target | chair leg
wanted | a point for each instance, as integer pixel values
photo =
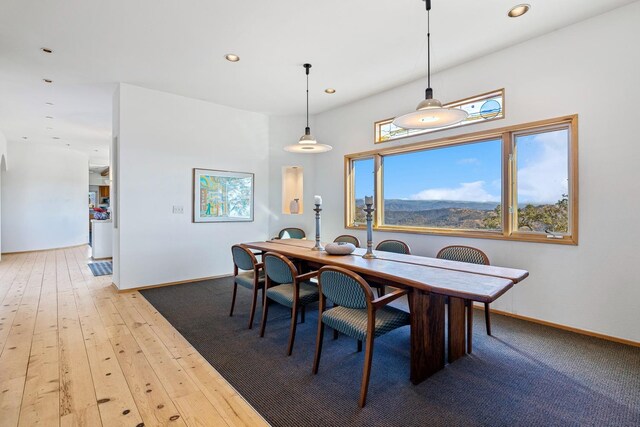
(381, 291)
(292, 333)
(316, 359)
(366, 373)
(359, 346)
(487, 317)
(469, 326)
(253, 307)
(233, 298)
(265, 310)
(302, 313)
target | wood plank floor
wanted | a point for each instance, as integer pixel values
(73, 351)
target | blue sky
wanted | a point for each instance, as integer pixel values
(472, 172)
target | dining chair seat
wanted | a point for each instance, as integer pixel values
(353, 321)
(284, 294)
(246, 279)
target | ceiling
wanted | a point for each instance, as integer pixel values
(358, 47)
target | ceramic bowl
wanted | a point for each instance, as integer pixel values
(339, 248)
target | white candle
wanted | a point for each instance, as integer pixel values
(317, 200)
(368, 200)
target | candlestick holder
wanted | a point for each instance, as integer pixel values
(318, 246)
(369, 210)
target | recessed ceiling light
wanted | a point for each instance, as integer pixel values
(48, 117)
(95, 151)
(232, 57)
(49, 103)
(49, 128)
(24, 137)
(330, 90)
(68, 145)
(46, 50)
(47, 80)
(55, 137)
(518, 10)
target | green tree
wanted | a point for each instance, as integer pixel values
(552, 217)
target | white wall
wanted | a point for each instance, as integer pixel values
(3, 168)
(162, 137)
(44, 198)
(589, 68)
(283, 131)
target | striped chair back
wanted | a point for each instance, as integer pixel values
(395, 246)
(463, 254)
(243, 257)
(278, 268)
(347, 238)
(292, 233)
(344, 287)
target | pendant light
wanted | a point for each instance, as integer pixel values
(429, 113)
(307, 143)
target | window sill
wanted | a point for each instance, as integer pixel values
(473, 234)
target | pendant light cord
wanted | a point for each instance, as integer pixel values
(429, 91)
(307, 130)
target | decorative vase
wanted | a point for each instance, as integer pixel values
(294, 206)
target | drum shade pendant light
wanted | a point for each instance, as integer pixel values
(430, 114)
(307, 143)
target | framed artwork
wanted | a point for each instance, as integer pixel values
(222, 196)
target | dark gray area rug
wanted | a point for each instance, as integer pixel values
(525, 375)
(101, 268)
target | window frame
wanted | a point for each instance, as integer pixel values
(509, 182)
(483, 96)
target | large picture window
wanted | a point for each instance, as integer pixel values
(458, 186)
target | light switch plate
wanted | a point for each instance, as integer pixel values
(178, 209)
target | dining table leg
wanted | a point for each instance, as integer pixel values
(427, 334)
(456, 326)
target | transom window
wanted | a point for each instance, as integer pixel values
(458, 186)
(481, 108)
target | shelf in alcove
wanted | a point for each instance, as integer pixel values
(292, 188)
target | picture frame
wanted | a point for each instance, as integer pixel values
(222, 196)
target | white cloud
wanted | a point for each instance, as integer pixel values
(468, 161)
(542, 177)
(467, 191)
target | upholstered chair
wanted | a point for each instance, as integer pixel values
(286, 287)
(474, 256)
(357, 314)
(395, 246)
(248, 273)
(347, 238)
(291, 233)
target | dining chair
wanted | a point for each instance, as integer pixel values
(251, 277)
(348, 238)
(292, 233)
(286, 287)
(357, 314)
(395, 246)
(473, 256)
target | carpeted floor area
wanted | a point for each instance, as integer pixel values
(525, 375)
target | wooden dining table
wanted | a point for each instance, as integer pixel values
(432, 283)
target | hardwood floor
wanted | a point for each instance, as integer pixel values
(73, 351)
